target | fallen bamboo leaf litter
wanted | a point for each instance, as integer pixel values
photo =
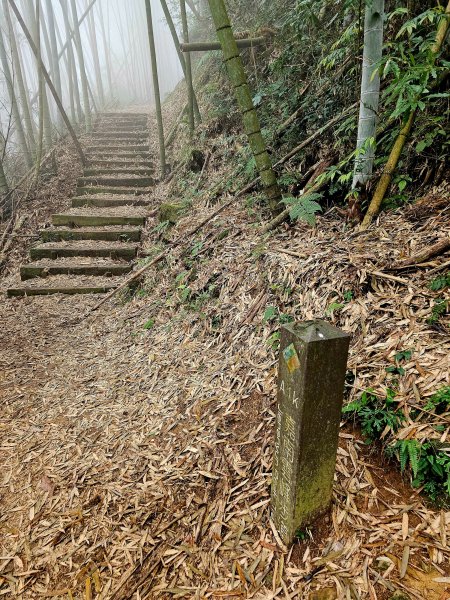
(140, 460)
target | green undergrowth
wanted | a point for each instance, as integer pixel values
(312, 64)
(426, 462)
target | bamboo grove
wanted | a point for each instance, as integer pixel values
(62, 61)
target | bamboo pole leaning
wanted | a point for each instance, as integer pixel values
(151, 40)
(394, 156)
(244, 99)
(49, 82)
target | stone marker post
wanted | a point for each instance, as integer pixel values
(311, 373)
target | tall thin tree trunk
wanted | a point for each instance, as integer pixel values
(82, 68)
(35, 32)
(71, 60)
(370, 92)
(71, 94)
(54, 54)
(23, 94)
(106, 51)
(42, 94)
(236, 73)
(151, 40)
(96, 59)
(190, 88)
(14, 106)
(176, 43)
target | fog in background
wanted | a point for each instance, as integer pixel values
(119, 30)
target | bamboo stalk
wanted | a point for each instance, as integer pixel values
(177, 45)
(96, 59)
(72, 74)
(54, 52)
(207, 46)
(188, 74)
(151, 40)
(392, 162)
(243, 96)
(370, 92)
(24, 98)
(14, 104)
(49, 82)
(81, 64)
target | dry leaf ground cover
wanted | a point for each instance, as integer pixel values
(136, 444)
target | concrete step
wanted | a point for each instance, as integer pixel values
(53, 250)
(120, 135)
(66, 284)
(120, 162)
(123, 191)
(111, 234)
(99, 218)
(110, 148)
(70, 266)
(125, 181)
(118, 170)
(108, 157)
(102, 201)
(123, 115)
(135, 127)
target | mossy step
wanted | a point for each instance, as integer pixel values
(119, 163)
(33, 270)
(118, 170)
(107, 148)
(105, 201)
(93, 220)
(129, 158)
(47, 291)
(132, 126)
(104, 180)
(121, 234)
(92, 190)
(123, 115)
(128, 135)
(126, 251)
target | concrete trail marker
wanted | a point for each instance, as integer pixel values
(312, 366)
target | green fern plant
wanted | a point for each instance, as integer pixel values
(409, 454)
(304, 208)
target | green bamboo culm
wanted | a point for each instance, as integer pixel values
(151, 40)
(236, 73)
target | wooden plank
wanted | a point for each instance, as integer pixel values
(130, 234)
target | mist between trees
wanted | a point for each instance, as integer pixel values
(96, 54)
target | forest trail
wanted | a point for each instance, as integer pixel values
(94, 243)
(136, 444)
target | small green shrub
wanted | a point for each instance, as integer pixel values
(375, 413)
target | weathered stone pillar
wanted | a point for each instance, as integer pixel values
(312, 366)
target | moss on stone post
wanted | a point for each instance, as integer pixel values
(312, 366)
(236, 73)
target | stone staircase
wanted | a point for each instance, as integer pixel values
(93, 245)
